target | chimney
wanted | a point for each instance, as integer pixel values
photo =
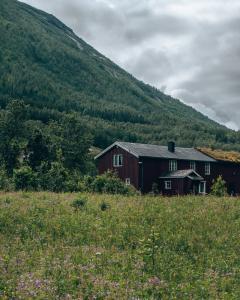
(171, 147)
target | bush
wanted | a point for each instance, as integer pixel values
(55, 179)
(24, 179)
(79, 203)
(219, 188)
(85, 185)
(110, 183)
(72, 182)
(6, 183)
(104, 206)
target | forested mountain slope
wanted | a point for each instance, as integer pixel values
(45, 64)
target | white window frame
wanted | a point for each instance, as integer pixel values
(173, 165)
(193, 165)
(128, 181)
(207, 169)
(117, 160)
(204, 188)
(168, 184)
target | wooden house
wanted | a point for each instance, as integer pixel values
(174, 170)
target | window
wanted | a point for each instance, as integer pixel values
(193, 165)
(202, 187)
(207, 169)
(168, 185)
(172, 165)
(127, 181)
(118, 160)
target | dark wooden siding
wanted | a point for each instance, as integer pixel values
(149, 170)
(177, 187)
(231, 174)
(130, 168)
(229, 171)
(153, 168)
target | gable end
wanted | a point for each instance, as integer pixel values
(116, 144)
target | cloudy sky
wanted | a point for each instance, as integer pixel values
(188, 49)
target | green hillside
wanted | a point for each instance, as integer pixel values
(44, 63)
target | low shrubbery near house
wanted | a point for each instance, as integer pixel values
(56, 178)
(219, 188)
(109, 183)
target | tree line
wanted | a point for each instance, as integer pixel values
(39, 155)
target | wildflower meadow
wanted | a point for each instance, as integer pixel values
(86, 246)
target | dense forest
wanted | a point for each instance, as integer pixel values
(70, 97)
(35, 155)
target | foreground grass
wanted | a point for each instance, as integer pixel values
(139, 248)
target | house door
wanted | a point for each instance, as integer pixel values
(202, 187)
(195, 188)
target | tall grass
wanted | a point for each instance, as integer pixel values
(138, 248)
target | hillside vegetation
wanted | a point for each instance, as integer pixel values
(54, 71)
(114, 247)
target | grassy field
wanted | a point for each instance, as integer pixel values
(139, 248)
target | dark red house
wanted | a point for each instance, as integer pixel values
(175, 170)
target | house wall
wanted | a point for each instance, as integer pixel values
(229, 171)
(231, 174)
(153, 168)
(145, 171)
(130, 168)
(177, 187)
(200, 169)
(150, 170)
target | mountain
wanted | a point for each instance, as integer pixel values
(55, 72)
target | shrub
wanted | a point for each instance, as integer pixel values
(56, 178)
(219, 187)
(72, 182)
(110, 183)
(86, 184)
(24, 179)
(104, 206)
(6, 183)
(71, 185)
(79, 203)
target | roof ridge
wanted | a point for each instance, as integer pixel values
(159, 151)
(157, 145)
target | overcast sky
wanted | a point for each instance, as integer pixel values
(189, 49)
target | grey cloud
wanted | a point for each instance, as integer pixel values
(217, 83)
(152, 64)
(153, 24)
